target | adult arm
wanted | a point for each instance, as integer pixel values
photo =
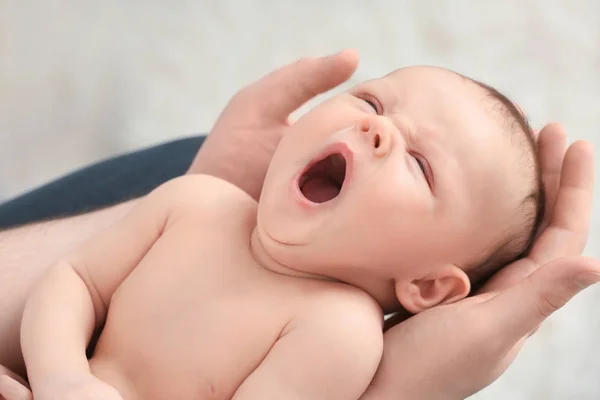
(39, 244)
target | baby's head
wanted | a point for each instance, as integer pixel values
(414, 187)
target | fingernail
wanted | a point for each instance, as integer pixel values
(588, 278)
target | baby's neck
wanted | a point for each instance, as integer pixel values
(381, 290)
(264, 260)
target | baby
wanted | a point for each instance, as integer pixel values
(376, 200)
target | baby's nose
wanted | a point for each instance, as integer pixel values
(378, 134)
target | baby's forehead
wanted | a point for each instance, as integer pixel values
(447, 88)
(430, 78)
(423, 71)
(433, 95)
(440, 88)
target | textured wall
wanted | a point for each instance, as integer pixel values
(81, 80)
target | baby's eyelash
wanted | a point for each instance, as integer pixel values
(372, 105)
(425, 168)
(421, 165)
(371, 101)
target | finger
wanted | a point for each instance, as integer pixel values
(13, 390)
(566, 234)
(509, 276)
(552, 146)
(550, 243)
(576, 186)
(286, 89)
(519, 310)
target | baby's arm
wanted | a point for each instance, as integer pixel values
(331, 352)
(73, 297)
(13, 389)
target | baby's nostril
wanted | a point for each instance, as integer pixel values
(376, 140)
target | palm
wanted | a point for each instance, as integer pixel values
(458, 335)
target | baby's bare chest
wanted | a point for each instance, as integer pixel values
(196, 313)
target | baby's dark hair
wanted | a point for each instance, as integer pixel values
(518, 242)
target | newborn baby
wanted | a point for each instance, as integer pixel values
(376, 200)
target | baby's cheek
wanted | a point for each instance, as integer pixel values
(405, 200)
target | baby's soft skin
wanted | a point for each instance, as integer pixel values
(238, 150)
(162, 281)
(163, 278)
(369, 203)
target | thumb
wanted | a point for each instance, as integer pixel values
(521, 308)
(286, 89)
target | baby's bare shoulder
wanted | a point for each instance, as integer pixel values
(345, 325)
(200, 188)
(341, 298)
(197, 194)
(344, 308)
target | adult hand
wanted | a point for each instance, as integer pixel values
(454, 351)
(243, 140)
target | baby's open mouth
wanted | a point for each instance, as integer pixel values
(323, 180)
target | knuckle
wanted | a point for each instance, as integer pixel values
(549, 300)
(548, 303)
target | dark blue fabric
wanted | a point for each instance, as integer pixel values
(102, 184)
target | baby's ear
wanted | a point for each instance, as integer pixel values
(447, 285)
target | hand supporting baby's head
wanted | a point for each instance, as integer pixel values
(394, 186)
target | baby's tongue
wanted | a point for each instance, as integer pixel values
(319, 190)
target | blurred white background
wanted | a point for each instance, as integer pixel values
(81, 80)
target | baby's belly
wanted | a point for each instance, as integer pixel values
(189, 344)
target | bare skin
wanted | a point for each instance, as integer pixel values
(428, 166)
(159, 281)
(26, 253)
(248, 131)
(387, 375)
(181, 257)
